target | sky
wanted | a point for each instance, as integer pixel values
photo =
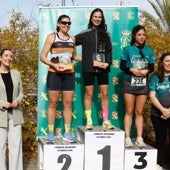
(30, 8)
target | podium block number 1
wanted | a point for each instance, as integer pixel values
(105, 152)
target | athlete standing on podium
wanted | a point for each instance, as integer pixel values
(61, 77)
(96, 59)
(137, 61)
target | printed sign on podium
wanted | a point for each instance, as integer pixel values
(136, 158)
(104, 150)
(61, 155)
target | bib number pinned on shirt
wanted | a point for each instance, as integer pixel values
(138, 81)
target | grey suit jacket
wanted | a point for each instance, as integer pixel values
(17, 94)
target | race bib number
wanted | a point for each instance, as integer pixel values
(138, 81)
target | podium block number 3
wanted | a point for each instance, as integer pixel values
(105, 152)
(141, 160)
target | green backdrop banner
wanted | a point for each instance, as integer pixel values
(120, 21)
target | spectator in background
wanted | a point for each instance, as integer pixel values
(137, 61)
(61, 77)
(96, 59)
(11, 117)
(160, 110)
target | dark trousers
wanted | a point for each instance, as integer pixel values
(160, 127)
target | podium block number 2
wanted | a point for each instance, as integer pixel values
(105, 152)
(67, 159)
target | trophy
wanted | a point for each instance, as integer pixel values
(65, 62)
(98, 59)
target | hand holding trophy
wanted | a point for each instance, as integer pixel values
(65, 63)
(98, 59)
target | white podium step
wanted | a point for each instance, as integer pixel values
(104, 150)
(137, 158)
(61, 155)
(95, 149)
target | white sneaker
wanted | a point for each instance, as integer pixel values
(140, 143)
(158, 167)
(89, 125)
(107, 125)
(128, 142)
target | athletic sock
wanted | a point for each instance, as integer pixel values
(88, 115)
(105, 113)
(67, 128)
(51, 127)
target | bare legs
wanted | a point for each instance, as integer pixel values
(131, 102)
(104, 104)
(53, 102)
(89, 96)
(67, 104)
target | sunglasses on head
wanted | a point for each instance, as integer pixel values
(65, 23)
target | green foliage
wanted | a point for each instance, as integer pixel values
(23, 40)
(162, 10)
(158, 33)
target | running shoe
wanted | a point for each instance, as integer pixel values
(107, 125)
(128, 142)
(50, 138)
(69, 137)
(89, 125)
(140, 143)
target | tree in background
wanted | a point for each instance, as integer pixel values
(158, 32)
(162, 11)
(23, 40)
(158, 25)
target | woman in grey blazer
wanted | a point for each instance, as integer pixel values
(11, 117)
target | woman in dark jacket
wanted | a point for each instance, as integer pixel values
(96, 59)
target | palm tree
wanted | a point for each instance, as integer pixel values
(162, 10)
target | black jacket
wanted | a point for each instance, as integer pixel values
(89, 42)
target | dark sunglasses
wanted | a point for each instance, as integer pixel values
(65, 23)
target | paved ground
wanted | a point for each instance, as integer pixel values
(31, 165)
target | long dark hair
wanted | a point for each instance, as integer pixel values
(60, 19)
(160, 71)
(101, 29)
(135, 31)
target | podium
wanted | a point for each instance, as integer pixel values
(61, 155)
(144, 158)
(104, 150)
(95, 149)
